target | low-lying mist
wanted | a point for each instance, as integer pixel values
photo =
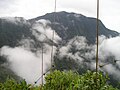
(109, 53)
(26, 63)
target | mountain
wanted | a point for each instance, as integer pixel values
(68, 25)
(12, 30)
(74, 44)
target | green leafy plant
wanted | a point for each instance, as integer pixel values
(11, 84)
(63, 80)
(69, 80)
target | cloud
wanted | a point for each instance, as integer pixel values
(45, 31)
(78, 49)
(25, 8)
(113, 71)
(111, 47)
(109, 52)
(7, 7)
(80, 6)
(16, 20)
(26, 59)
(109, 9)
(29, 8)
(25, 63)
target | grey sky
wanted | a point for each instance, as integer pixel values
(109, 9)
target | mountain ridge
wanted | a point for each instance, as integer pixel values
(82, 25)
(75, 34)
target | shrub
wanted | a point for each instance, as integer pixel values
(63, 80)
(59, 80)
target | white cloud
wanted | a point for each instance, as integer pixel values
(112, 71)
(107, 47)
(46, 31)
(109, 9)
(82, 50)
(109, 13)
(16, 20)
(25, 62)
(26, 8)
(111, 47)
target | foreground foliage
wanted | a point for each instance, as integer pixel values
(73, 81)
(11, 84)
(67, 80)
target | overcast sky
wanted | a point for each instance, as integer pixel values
(109, 9)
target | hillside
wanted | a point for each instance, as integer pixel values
(21, 42)
(68, 25)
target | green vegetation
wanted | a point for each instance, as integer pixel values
(5, 72)
(63, 80)
(11, 84)
(73, 81)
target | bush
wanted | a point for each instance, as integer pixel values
(69, 80)
(63, 80)
(11, 84)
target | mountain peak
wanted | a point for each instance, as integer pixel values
(69, 25)
(57, 15)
